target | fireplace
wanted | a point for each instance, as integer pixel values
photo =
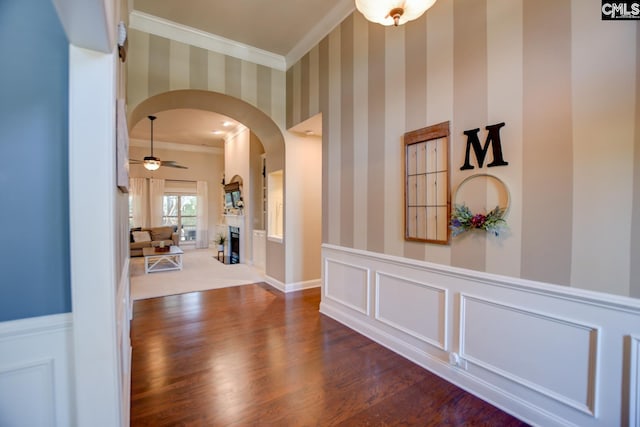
(234, 244)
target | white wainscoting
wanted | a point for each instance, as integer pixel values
(550, 355)
(36, 372)
(556, 357)
(356, 295)
(634, 381)
(415, 308)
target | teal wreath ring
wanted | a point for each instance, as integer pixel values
(462, 219)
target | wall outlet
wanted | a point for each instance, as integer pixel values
(456, 360)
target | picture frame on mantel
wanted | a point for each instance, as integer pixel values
(122, 147)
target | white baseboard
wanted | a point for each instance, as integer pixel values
(549, 355)
(292, 287)
(275, 283)
(298, 286)
(36, 371)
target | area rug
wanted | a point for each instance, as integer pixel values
(200, 271)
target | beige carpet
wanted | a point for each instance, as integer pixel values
(200, 271)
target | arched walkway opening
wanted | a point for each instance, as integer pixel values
(260, 125)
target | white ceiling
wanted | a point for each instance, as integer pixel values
(286, 28)
(185, 126)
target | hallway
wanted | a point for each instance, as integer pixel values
(251, 355)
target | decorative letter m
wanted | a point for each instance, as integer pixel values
(493, 139)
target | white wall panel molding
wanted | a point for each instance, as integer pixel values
(35, 326)
(548, 354)
(609, 301)
(173, 31)
(357, 294)
(27, 394)
(634, 383)
(423, 312)
(36, 371)
(551, 355)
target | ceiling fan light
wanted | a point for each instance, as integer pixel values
(151, 163)
(393, 12)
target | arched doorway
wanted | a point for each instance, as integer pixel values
(261, 125)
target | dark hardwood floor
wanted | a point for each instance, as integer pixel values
(250, 355)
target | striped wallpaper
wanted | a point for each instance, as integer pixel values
(157, 65)
(565, 83)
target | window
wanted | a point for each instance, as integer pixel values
(180, 210)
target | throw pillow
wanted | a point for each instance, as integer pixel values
(161, 233)
(131, 233)
(141, 236)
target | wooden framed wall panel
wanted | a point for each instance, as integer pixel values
(427, 184)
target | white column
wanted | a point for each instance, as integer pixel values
(92, 211)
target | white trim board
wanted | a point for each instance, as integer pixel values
(292, 287)
(35, 326)
(172, 30)
(631, 305)
(93, 267)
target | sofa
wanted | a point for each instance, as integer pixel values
(149, 237)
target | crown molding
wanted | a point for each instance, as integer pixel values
(171, 30)
(319, 31)
(175, 146)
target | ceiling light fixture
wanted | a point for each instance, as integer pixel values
(226, 123)
(150, 162)
(393, 12)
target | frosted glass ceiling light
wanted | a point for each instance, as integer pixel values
(151, 163)
(393, 12)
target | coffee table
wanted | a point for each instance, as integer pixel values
(162, 261)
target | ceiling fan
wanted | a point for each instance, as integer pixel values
(151, 162)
